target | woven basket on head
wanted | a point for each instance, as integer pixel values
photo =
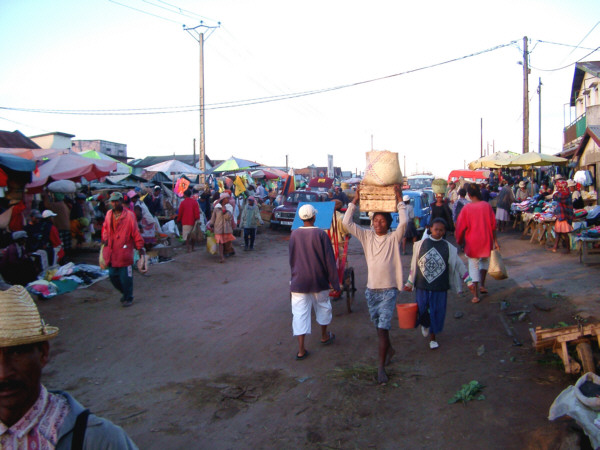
(20, 321)
(382, 169)
(378, 199)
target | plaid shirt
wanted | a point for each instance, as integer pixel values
(564, 206)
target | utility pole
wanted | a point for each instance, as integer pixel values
(481, 134)
(286, 163)
(199, 37)
(525, 96)
(539, 91)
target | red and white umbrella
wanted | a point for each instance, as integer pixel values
(70, 167)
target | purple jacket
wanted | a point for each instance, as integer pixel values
(312, 261)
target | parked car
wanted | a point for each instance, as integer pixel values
(420, 200)
(284, 214)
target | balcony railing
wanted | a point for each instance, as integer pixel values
(575, 130)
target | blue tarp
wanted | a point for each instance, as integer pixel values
(16, 163)
(324, 215)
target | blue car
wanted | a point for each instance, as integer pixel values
(420, 202)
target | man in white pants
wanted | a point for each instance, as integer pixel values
(312, 263)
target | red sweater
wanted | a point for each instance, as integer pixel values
(189, 211)
(122, 236)
(475, 229)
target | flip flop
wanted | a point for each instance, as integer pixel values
(330, 340)
(300, 358)
(475, 300)
(483, 290)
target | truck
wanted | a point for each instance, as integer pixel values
(420, 181)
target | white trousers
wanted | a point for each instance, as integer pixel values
(301, 304)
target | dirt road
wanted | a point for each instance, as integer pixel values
(205, 358)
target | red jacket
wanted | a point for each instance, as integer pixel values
(122, 237)
(189, 212)
(475, 229)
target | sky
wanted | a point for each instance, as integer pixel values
(376, 69)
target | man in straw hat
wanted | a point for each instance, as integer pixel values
(313, 272)
(30, 415)
(120, 235)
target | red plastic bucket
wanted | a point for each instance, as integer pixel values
(407, 315)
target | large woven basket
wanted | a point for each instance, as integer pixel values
(377, 199)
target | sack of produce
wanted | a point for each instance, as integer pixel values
(439, 186)
(497, 269)
(382, 169)
(62, 186)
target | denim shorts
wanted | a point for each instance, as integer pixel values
(381, 303)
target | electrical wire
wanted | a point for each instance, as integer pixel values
(584, 38)
(187, 11)
(248, 102)
(568, 65)
(564, 45)
(146, 12)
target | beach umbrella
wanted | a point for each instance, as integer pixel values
(122, 168)
(264, 173)
(173, 166)
(534, 159)
(492, 161)
(234, 164)
(70, 167)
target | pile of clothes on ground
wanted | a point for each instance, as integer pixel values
(60, 279)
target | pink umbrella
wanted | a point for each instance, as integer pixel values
(70, 167)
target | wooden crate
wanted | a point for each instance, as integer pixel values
(378, 199)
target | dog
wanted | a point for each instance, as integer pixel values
(348, 287)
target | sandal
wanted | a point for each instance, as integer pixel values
(483, 290)
(330, 339)
(300, 358)
(475, 300)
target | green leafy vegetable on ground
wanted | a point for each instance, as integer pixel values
(468, 392)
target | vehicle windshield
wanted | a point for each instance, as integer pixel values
(297, 197)
(420, 183)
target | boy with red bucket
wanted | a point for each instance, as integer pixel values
(435, 267)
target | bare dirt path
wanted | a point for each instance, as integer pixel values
(205, 358)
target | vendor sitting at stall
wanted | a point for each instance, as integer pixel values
(522, 193)
(545, 190)
(575, 195)
(16, 265)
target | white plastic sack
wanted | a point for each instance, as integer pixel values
(170, 228)
(62, 186)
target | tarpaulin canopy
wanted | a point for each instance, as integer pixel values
(472, 174)
(531, 159)
(70, 167)
(233, 164)
(173, 166)
(121, 167)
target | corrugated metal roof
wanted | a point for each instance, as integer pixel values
(581, 68)
(16, 139)
(151, 160)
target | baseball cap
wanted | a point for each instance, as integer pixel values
(307, 212)
(47, 213)
(115, 196)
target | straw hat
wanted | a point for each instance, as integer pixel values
(522, 184)
(20, 321)
(571, 183)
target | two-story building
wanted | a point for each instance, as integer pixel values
(112, 149)
(582, 136)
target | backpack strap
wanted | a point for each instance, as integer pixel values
(79, 430)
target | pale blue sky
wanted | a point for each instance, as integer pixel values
(96, 54)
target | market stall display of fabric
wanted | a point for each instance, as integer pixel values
(67, 278)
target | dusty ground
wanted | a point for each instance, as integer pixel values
(205, 358)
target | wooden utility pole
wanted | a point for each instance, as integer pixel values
(199, 37)
(525, 96)
(539, 91)
(481, 134)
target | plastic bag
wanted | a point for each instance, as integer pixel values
(101, 258)
(211, 244)
(497, 268)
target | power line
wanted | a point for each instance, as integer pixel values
(564, 45)
(247, 102)
(187, 11)
(145, 12)
(568, 65)
(584, 38)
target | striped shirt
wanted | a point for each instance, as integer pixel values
(38, 428)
